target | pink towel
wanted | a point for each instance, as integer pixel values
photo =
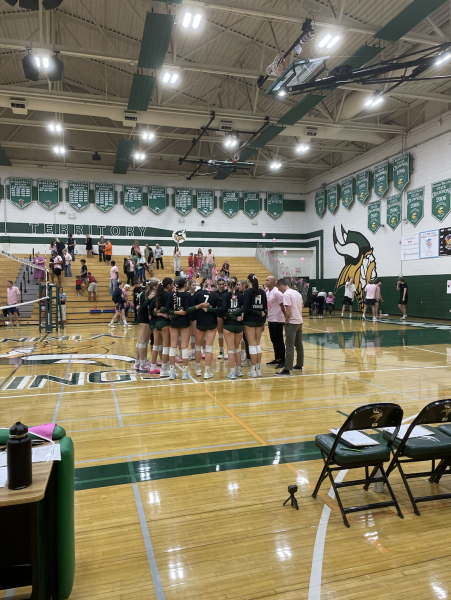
(45, 430)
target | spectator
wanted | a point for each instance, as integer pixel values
(108, 252)
(348, 297)
(159, 256)
(226, 268)
(125, 289)
(141, 268)
(59, 246)
(150, 259)
(53, 248)
(114, 276)
(200, 258)
(214, 273)
(88, 245)
(190, 273)
(119, 301)
(39, 261)
(314, 304)
(129, 269)
(196, 265)
(51, 271)
(222, 274)
(321, 301)
(63, 298)
(84, 273)
(135, 248)
(292, 302)
(67, 260)
(401, 285)
(330, 302)
(13, 297)
(378, 296)
(101, 245)
(57, 267)
(92, 287)
(71, 243)
(136, 291)
(276, 321)
(78, 284)
(191, 260)
(177, 255)
(209, 262)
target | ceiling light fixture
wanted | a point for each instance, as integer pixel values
(276, 165)
(147, 135)
(55, 127)
(231, 140)
(443, 58)
(333, 41)
(302, 148)
(196, 21)
(59, 150)
(140, 156)
(190, 21)
(325, 40)
(328, 41)
(170, 77)
(376, 99)
(282, 93)
(187, 20)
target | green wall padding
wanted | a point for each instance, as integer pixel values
(407, 19)
(65, 521)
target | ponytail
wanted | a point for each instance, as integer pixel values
(158, 295)
(232, 286)
(254, 282)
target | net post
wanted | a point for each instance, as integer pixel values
(40, 306)
(48, 312)
(58, 315)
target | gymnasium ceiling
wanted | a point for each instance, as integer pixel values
(218, 65)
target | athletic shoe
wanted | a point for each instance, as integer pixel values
(127, 325)
(296, 368)
(283, 373)
(273, 362)
(281, 365)
(363, 318)
(172, 375)
(164, 374)
(198, 372)
(259, 373)
(208, 375)
(226, 355)
(350, 316)
(203, 355)
(231, 376)
(374, 318)
(252, 374)
(403, 317)
(341, 315)
(178, 360)
(136, 366)
(185, 375)
(238, 372)
(154, 371)
(192, 356)
(159, 363)
(112, 325)
(245, 362)
(148, 364)
(221, 356)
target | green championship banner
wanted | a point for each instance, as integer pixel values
(401, 171)
(104, 196)
(133, 198)
(157, 199)
(79, 195)
(274, 205)
(20, 191)
(362, 184)
(205, 202)
(320, 202)
(381, 179)
(48, 193)
(230, 202)
(332, 198)
(347, 192)
(394, 211)
(441, 199)
(183, 200)
(251, 203)
(415, 205)
(374, 216)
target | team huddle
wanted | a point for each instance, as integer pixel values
(175, 314)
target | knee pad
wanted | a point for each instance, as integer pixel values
(172, 352)
(237, 351)
(158, 348)
(185, 353)
(166, 350)
(252, 349)
(259, 349)
(193, 339)
(220, 336)
(209, 349)
(198, 348)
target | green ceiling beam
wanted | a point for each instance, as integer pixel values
(155, 41)
(4, 160)
(123, 155)
(301, 109)
(141, 92)
(407, 19)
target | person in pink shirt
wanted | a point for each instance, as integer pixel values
(114, 276)
(39, 261)
(370, 300)
(13, 297)
(330, 302)
(292, 301)
(276, 321)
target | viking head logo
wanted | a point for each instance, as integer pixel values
(400, 181)
(376, 416)
(440, 210)
(179, 236)
(359, 261)
(447, 410)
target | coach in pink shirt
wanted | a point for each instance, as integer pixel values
(276, 321)
(292, 301)
(13, 297)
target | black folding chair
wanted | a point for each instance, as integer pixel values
(335, 452)
(437, 446)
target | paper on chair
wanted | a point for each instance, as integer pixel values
(356, 438)
(40, 454)
(3, 472)
(418, 431)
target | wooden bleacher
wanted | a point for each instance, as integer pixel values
(9, 270)
(77, 309)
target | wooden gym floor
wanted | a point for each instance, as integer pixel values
(180, 485)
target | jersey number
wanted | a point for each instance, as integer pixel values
(258, 299)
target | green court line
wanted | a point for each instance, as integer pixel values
(385, 338)
(193, 464)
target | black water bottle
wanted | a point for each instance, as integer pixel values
(18, 450)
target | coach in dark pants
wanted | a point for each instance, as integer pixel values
(276, 321)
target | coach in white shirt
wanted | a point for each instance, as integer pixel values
(276, 321)
(292, 301)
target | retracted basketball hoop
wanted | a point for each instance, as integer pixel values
(277, 67)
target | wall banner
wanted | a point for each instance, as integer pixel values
(274, 205)
(251, 203)
(320, 202)
(156, 199)
(415, 205)
(394, 211)
(332, 198)
(133, 198)
(48, 193)
(441, 199)
(183, 200)
(401, 171)
(79, 195)
(374, 216)
(381, 179)
(205, 202)
(20, 191)
(347, 192)
(104, 196)
(362, 184)
(230, 202)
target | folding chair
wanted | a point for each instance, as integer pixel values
(437, 446)
(335, 452)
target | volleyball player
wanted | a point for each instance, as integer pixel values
(180, 326)
(245, 356)
(206, 323)
(192, 290)
(222, 289)
(255, 308)
(232, 304)
(144, 332)
(160, 305)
